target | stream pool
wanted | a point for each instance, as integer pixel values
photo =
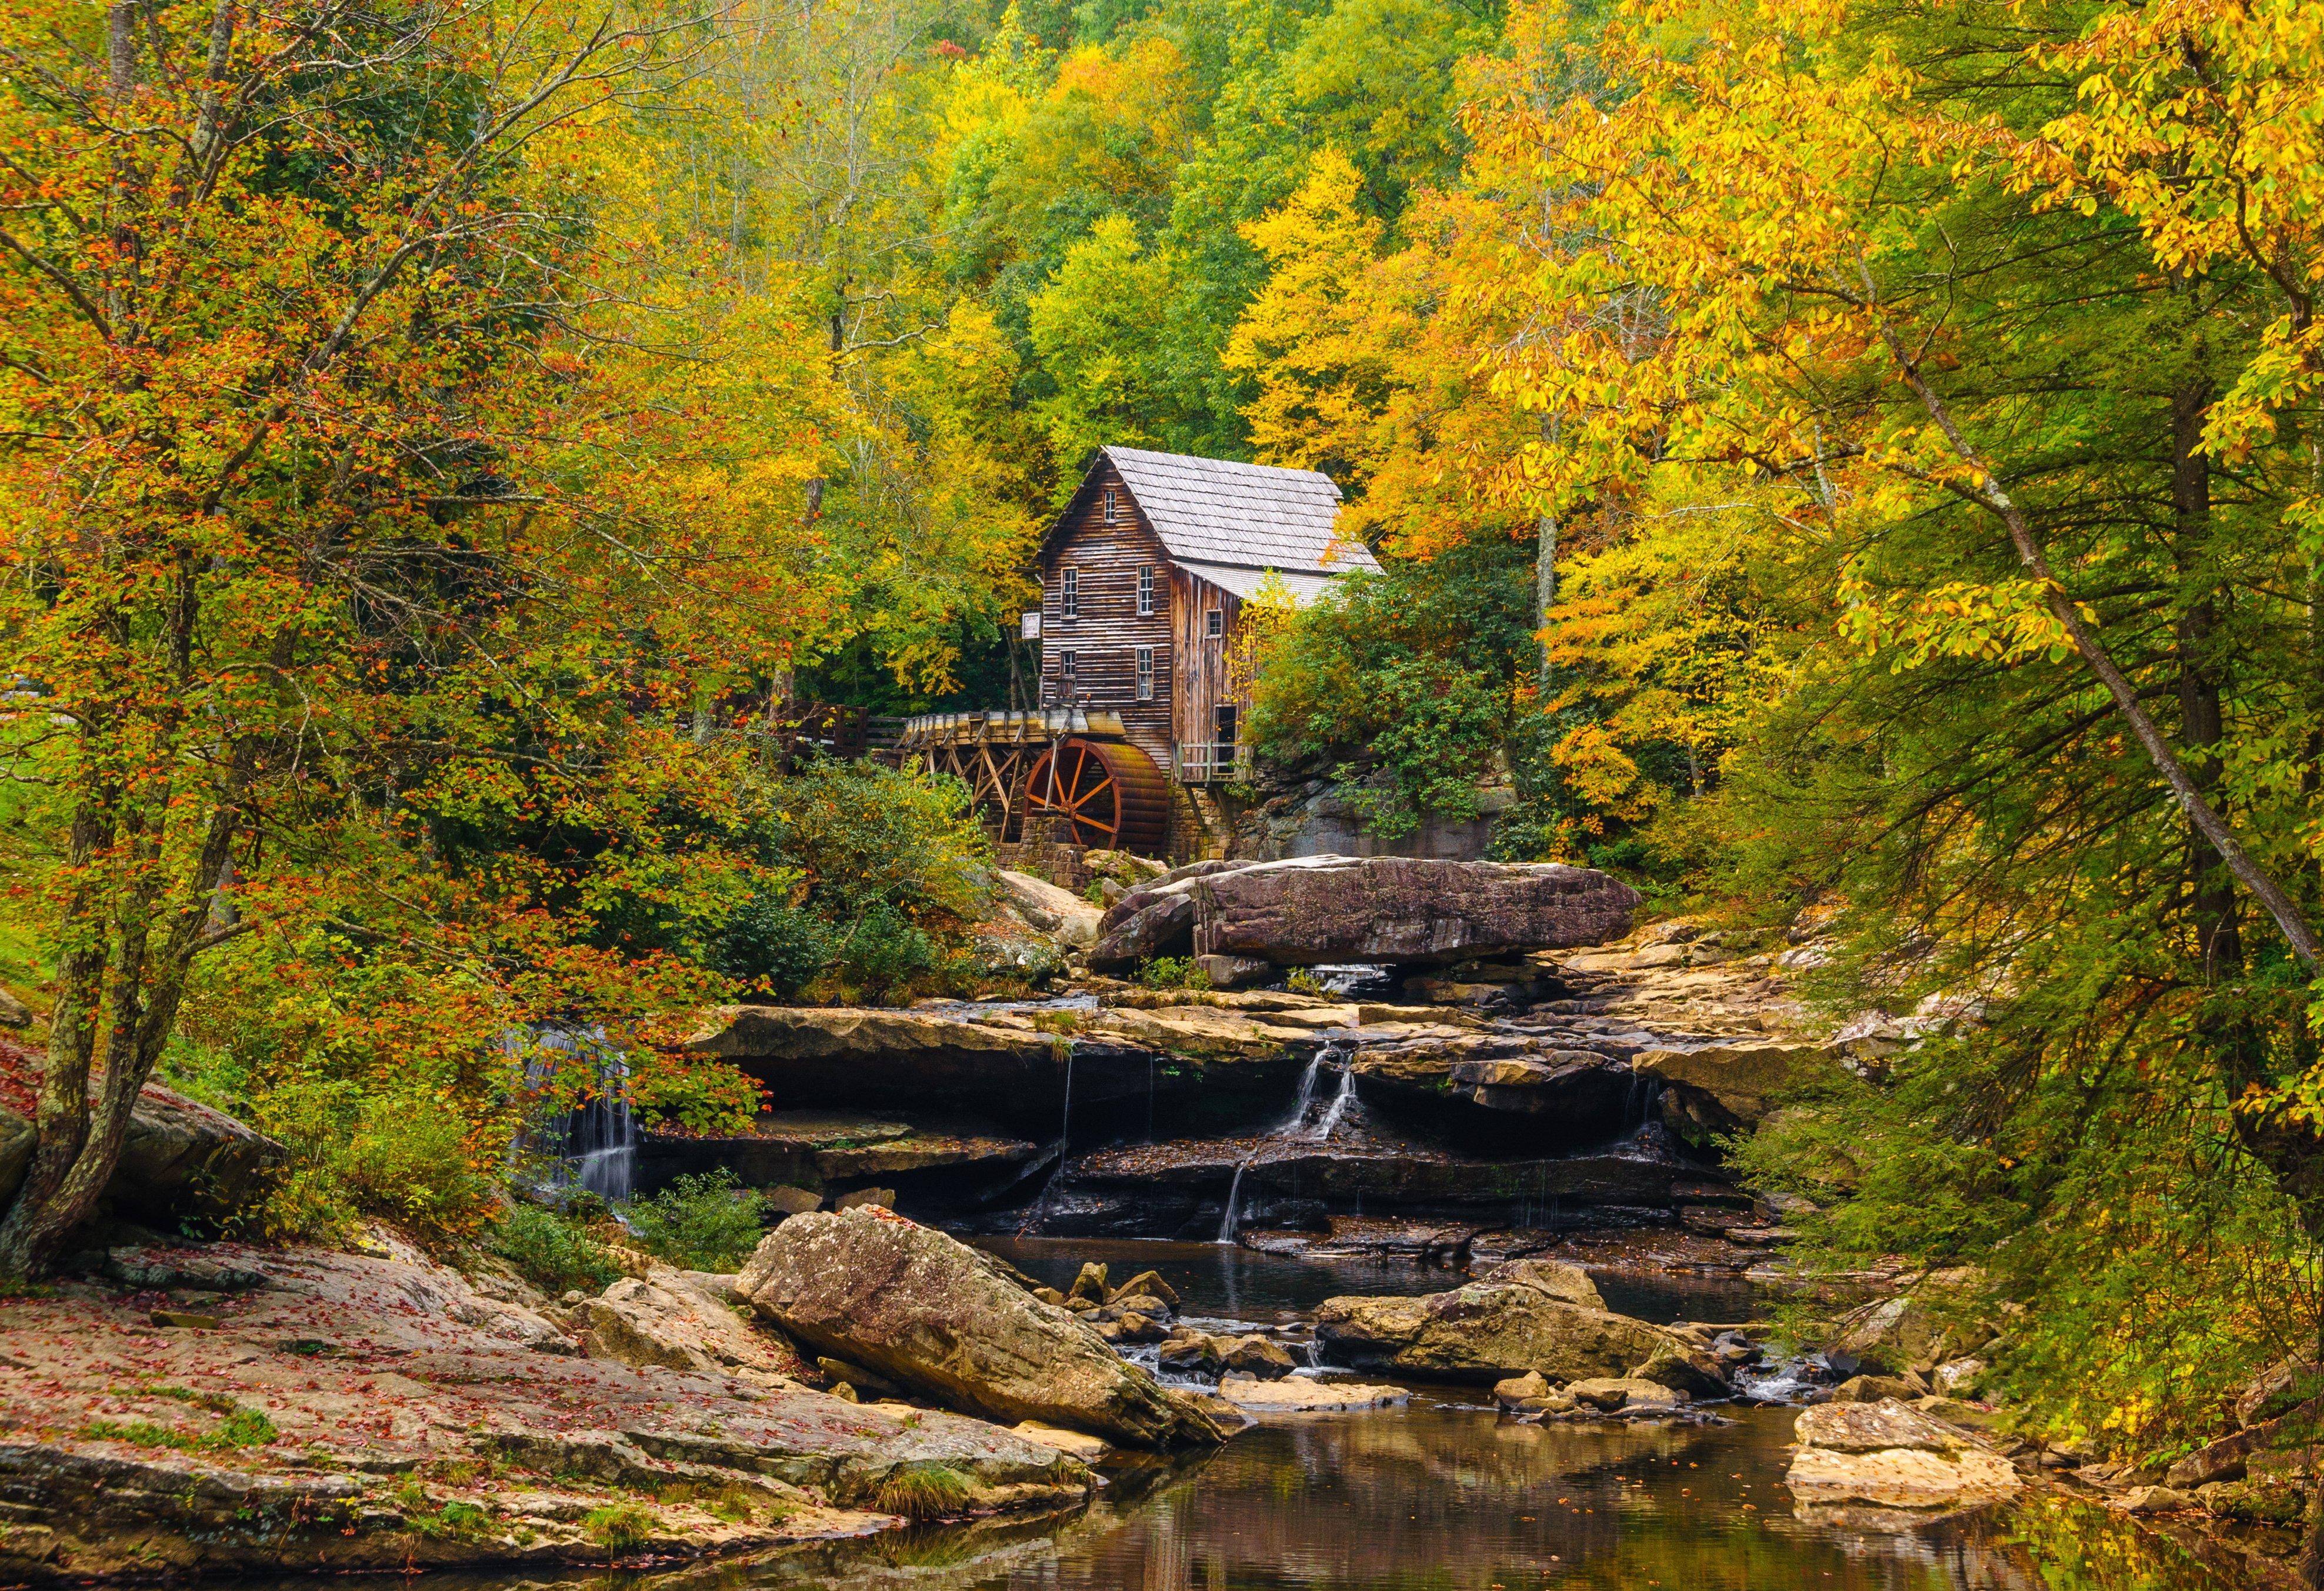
(1444, 1495)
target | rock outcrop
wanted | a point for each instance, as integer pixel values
(1888, 1455)
(180, 1157)
(930, 1313)
(667, 1319)
(1313, 910)
(1491, 1330)
(1059, 913)
(1723, 1088)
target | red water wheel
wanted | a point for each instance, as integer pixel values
(1108, 791)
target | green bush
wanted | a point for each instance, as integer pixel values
(1173, 972)
(554, 1252)
(623, 1526)
(701, 1222)
(773, 945)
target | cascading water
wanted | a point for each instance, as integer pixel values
(594, 1146)
(1295, 1128)
(1064, 1137)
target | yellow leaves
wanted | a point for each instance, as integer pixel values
(2007, 622)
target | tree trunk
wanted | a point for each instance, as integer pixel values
(2202, 721)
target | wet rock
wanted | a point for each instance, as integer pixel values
(1516, 1389)
(790, 1201)
(1695, 1372)
(1303, 1395)
(926, 1311)
(1873, 1389)
(2156, 1500)
(1146, 1284)
(1312, 910)
(1487, 1331)
(1059, 913)
(1557, 1279)
(1887, 1335)
(878, 1197)
(817, 1056)
(1255, 1355)
(1628, 1394)
(667, 1321)
(1190, 1353)
(1090, 1284)
(1889, 1456)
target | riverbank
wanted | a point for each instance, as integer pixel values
(228, 1408)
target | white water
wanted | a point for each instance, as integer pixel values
(1295, 1128)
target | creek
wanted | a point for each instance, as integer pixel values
(1447, 1494)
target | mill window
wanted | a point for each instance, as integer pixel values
(1069, 595)
(1146, 673)
(1144, 591)
(1066, 667)
(1109, 505)
(1222, 724)
(1215, 622)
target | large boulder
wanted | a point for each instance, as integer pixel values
(665, 1318)
(179, 1157)
(1489, 1331)
(930, 1313)
(1308, 911)
(1313, 910)
(1061, 914)
(1888, 1455)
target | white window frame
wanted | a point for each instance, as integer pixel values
(1144, 591)
(1110, 510)
(1146, 673)
(1215, 624)
(1065, 665)
(1069, 593)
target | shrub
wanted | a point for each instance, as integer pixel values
(1173, 972)
(924, 1491)
(773, 945)
(704, 1222)
(554, 1252)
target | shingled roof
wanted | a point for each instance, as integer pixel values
(1230, 522)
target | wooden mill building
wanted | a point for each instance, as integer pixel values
(1144, 577)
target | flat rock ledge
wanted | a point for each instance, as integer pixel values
(1890, 1457)
(378, 1410)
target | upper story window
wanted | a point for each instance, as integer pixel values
(1214, 622)
(1146, 673)
(1144, 591)
(1069, 595)
(1110, 510)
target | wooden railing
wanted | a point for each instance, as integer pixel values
(1211, 762)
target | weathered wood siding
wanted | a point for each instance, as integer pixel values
(1202, 683)
(1105, 638)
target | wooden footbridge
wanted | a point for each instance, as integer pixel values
(1069, 764)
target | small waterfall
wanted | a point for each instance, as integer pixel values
(1234, 1192)
(1341, 1100)
(1295, 1128)
(592, 1145)
(1064, 1137)
(605, 1137)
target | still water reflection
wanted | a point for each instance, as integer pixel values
(1440, 1498)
